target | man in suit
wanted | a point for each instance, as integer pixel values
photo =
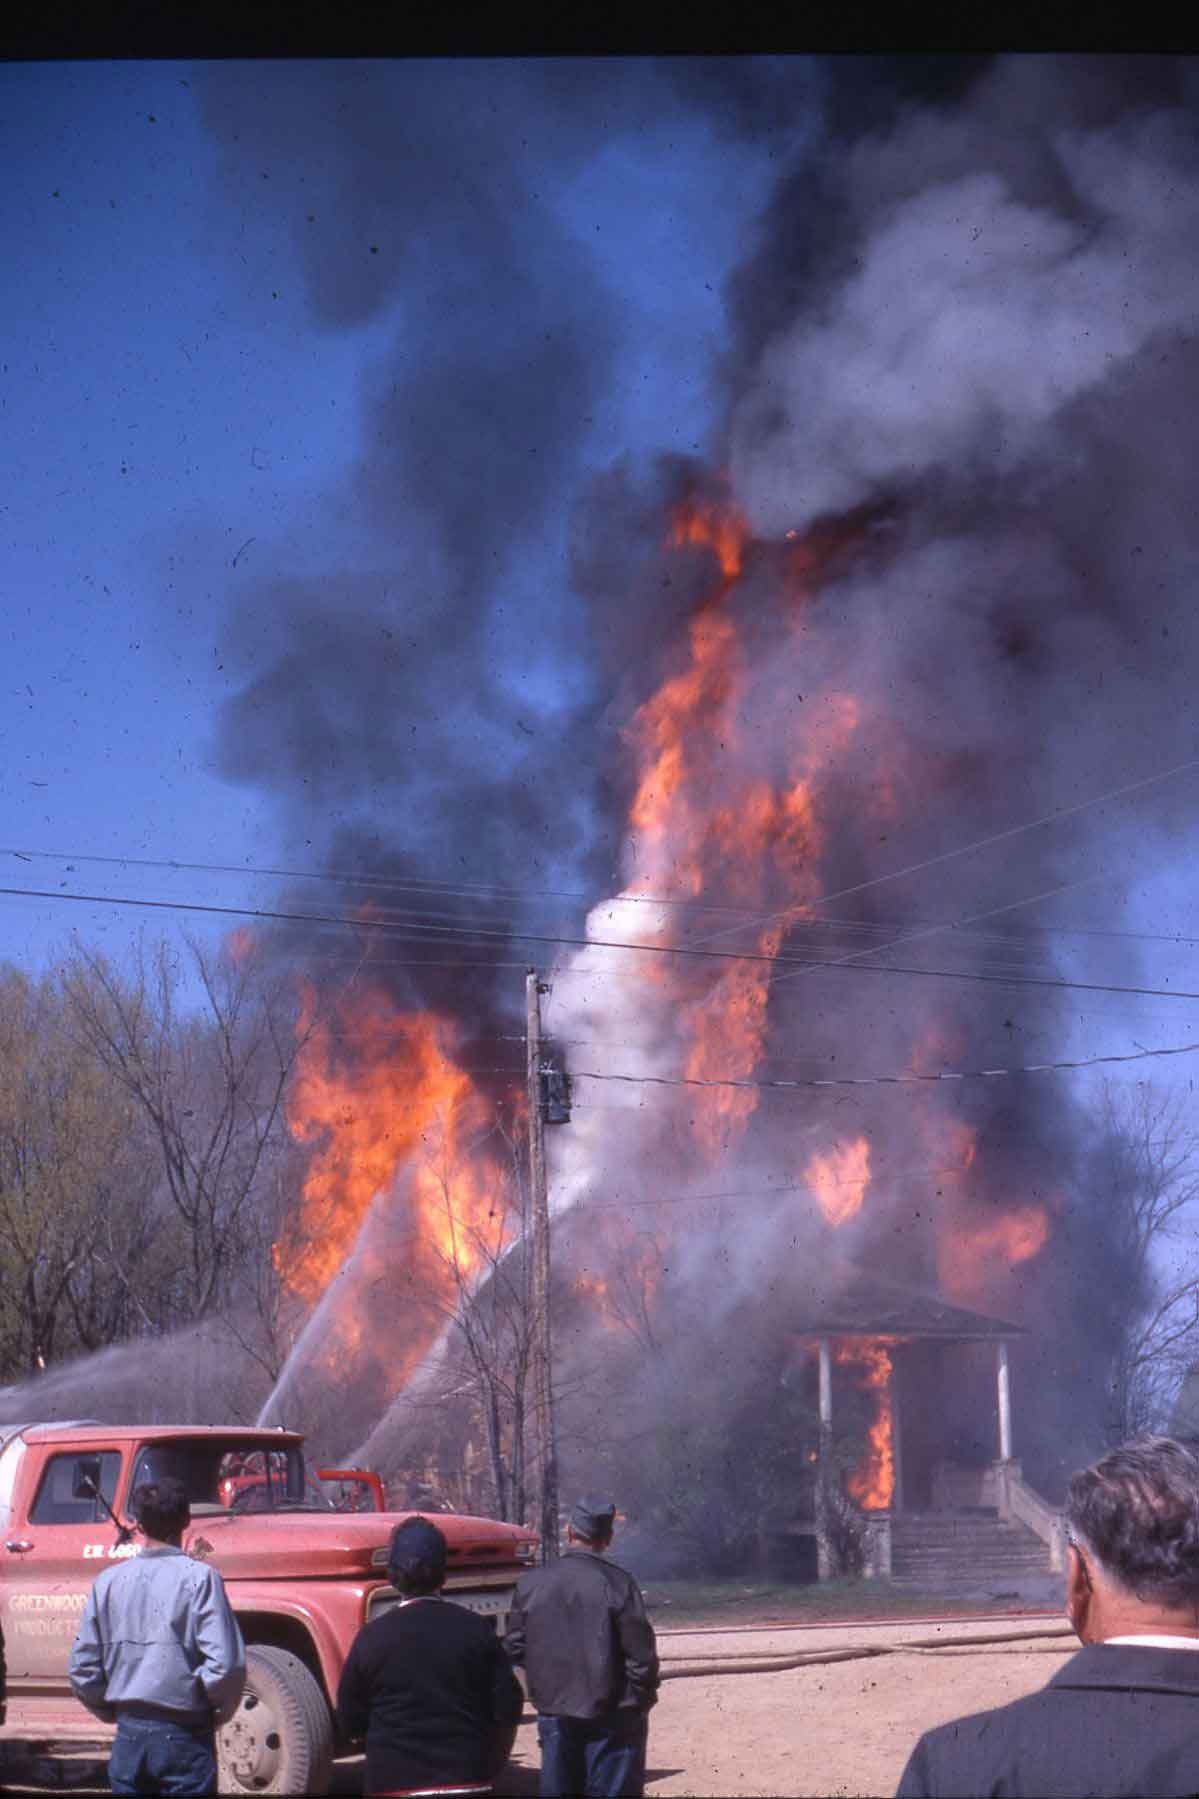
(427, 1683)
(1122, 1716)
(579, 1628)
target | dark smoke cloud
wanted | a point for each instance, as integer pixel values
(965, 316)
(433, 708)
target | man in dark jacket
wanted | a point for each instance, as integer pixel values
(579, 1628)
(1123, 1715)
(427, 1683)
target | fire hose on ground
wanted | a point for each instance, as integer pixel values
(700, 1666)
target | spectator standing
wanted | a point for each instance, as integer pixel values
(427, 1683)
(1122, 1716)
(159, 1651)
(578, 1627)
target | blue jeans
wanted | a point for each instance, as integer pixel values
(593, 1758)
(152, 1755)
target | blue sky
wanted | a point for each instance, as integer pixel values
(179, 425)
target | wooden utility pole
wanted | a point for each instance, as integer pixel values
(542, 1359)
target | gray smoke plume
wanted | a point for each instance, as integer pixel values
(960, 380)
(988, 350)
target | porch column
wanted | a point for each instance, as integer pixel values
(826, 1398)
(824, 1463)
(1005, 1402)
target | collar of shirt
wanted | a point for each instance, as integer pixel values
(417, 1597)
(1155, 1640)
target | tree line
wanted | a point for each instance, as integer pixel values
(144, 1158)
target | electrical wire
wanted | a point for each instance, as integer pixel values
(883, 1080)
(981, 843)
(439, 933)
(431, 888)
(908, 1078)
(876, 1178)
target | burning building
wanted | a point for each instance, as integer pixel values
(865, 689)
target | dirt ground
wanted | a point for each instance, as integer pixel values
(828, 1727)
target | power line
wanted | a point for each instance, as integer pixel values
(984, 842)
(440, 933)
(936, 930)
(476, 889)
(879, 1080)
(876, 1178)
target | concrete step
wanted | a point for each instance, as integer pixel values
(963, 1552)
(965, 1562)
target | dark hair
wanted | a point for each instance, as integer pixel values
(416, 1557)
(1137, 1511)
(161, 1507)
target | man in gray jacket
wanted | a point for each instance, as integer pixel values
(578, 1626)
(159, 1651)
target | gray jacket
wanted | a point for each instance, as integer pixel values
(579, 1628)
(158, 1635)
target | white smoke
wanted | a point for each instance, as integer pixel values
(970, 323)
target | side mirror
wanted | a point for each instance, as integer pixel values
(86, 1483)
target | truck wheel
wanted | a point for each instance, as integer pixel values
(280, 1740)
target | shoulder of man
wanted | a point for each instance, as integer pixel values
(619, 1578)
(579, 1567)
(969, 1754)
(114, 1573)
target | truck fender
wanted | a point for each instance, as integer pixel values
(292, 1625)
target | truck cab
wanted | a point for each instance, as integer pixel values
(302, 1576)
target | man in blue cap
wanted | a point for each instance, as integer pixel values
(579, 1629)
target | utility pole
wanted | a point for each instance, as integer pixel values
(539, 1198)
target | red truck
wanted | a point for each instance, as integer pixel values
(302, 1576)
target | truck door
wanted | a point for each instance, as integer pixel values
(51, 1559)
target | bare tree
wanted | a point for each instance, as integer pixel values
(1152, 1153)
(488, 1307)
(209, 1083)
(79, 1228)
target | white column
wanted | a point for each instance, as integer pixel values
(1005, 1402)
(824, 1555)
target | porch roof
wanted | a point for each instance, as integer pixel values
(855, 1303)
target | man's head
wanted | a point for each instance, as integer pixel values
(416, 1558)
(591, 1523)
(1132, 1522)
(161, 1509)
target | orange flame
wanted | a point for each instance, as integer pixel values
(969, 1251)
(698, 817)
(368, 1096)
(703, 522)
(872, 1483)
(673, 731)
(840, 1179)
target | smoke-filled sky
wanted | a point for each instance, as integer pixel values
(333, 394)
(302, 342)
(349, 410)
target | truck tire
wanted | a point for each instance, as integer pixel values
(280, 1740)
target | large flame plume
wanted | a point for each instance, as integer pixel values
(381, 1101)
(730, 811)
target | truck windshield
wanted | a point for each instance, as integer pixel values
(228, 1476)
